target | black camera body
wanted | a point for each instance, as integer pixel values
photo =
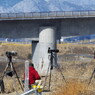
(53, 50)
(12, 53)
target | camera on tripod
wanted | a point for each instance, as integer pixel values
(11, 53)
(52, 50)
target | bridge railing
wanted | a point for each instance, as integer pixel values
(47, 15)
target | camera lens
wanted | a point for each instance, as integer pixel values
(11, 53)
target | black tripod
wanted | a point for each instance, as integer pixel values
(92, 75)
(12, 70)
(50, 67)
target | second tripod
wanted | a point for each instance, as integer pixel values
(10, 69)
(50, 67)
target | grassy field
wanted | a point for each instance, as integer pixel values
(75, 61)
(23, 50)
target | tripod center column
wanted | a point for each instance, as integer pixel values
(47, 39)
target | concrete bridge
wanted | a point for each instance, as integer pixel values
(26, 25)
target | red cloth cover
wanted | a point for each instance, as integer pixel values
(33, 75)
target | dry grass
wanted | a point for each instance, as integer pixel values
(11, 84)
(77, 72)
(76, 48)
(73, 87)
(22, 50)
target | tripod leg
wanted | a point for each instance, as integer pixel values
(15, 86)
(91, 76)
(5, 70)
(50, 80)
(17, 76)
(61, 73)
(46, 75)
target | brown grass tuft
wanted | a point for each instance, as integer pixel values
(11, 84)
(73, 87)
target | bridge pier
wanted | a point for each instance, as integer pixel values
(40, 58)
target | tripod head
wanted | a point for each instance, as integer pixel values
(51, 51)
(10, 54)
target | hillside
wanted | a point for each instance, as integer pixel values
(19, 6)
